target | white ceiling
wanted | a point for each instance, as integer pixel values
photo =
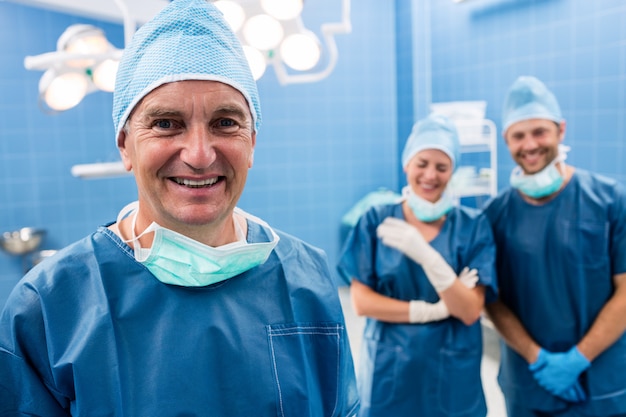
(140, 10)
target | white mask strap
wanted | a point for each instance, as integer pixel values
(131, 209)
(257, 220)
(561, 157)
(127, 210)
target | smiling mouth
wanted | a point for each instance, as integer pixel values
(428, 187)
(196, 184)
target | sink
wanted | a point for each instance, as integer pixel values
(22, 241)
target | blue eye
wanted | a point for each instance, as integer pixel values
(227, 122)
(163, 124)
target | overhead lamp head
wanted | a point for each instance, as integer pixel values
(283, 9)
(300, 51)
(233, 13)
(62, 90)
(83, 39)
(296, 59)
(263, 32)
(256, 60)
(103, 74)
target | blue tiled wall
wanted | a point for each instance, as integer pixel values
(321, 147)
(37, 150)
(577, 47)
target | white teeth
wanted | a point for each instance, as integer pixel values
(196, 184)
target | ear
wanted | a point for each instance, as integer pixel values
(121, 145)
(251, 158)
(562, 131)
(506, 139)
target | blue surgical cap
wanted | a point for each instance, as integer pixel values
(529, 98)
(434, 132)
(187, 40)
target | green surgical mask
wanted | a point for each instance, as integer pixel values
(179, 260)
(424, 209)
(543, 183)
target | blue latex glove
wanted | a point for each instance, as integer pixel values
(574, 394)
(558, 373)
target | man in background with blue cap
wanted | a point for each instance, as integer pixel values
(420, 270)
(186, 306)
(561, 261)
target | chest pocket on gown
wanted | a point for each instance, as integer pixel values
(588, 241)
(306, 363)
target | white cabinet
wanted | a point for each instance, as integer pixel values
(477, 176)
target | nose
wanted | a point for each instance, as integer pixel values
(198, 149)
(430, 173)
(529, 143)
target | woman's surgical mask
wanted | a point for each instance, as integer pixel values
(179, 260)
(424, 209)
(543, 183)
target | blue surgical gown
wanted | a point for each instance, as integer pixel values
(430, 369)
(91, 332)
(555, 266)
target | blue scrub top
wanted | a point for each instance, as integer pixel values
(555, 267)
(430, 369)
(91, 332)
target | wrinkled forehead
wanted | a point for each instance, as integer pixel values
(183, 96)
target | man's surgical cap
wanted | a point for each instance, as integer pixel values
(187, 40)
(434, 132)
(528, 98)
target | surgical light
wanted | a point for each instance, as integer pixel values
(300, 51)
(233, 13)
(274, 34)
(83, 40)
(282, 9)
(263, 32)
(256, 60)
(62, 91)
(103, 75)
(84, 62)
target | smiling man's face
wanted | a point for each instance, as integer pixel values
(190, 145)
(534, 143)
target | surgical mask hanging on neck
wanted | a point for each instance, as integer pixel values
(424, 209)
(179, 260)
(543, 183)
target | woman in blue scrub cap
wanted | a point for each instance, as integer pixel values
(420, 271)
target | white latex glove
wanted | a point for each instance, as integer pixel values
(423, 312)
(407, 239)
(469, 277)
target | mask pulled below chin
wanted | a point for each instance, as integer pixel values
(424, 209)
(179, 260)
(543, 183)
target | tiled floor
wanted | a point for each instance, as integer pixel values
(495, 402)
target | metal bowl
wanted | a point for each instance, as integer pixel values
(22, 241)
